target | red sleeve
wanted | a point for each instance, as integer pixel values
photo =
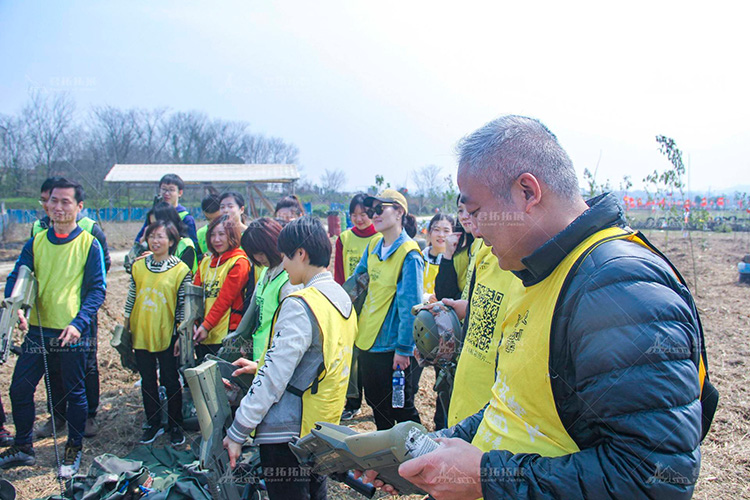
(233, 286)
(338, 263)
(197, 278)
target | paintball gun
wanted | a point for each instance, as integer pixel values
(193, 312)
(334, 450)
(122, 341)
(21, 299)
(356, 287)
(135, 251)
(214, 417)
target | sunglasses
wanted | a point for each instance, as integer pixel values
(379, 209)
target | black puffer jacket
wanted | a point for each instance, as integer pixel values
(624, 352)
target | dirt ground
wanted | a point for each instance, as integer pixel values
(723, 303)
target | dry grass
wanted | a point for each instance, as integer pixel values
(723, 303)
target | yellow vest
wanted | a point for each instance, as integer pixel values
(324, 400)
(476, 246)
(430, 275)
(354, 246)
(475, 372)
(213, 279)
(59, 271)
(152, 320)
(522, 416)
(384, 276)
(461, 265)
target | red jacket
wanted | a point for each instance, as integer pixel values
(232, 292)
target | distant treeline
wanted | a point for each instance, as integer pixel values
(49, 137)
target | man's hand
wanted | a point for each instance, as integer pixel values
(459, 306)
(244, 366)
(199, 334)
(23, 323)
(70, 335)
(234, 449)
(450, 472)
(402, 361)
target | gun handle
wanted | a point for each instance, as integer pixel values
(357, 485)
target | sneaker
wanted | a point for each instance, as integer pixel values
(92, 428)
(71, 461)
(6, 438)
(16, 456)
(151, 433)
(45, 430)
(350, 414)
(176, 437)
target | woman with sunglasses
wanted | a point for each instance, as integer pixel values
(349, 249)
(396, 269)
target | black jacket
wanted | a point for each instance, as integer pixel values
(624, 351)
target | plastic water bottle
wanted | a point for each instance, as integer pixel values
(399, 381)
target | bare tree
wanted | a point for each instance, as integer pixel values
(47, 119)
(191, 137)
(228, 141)
(333, 180)
(13, 151)
(429, 180)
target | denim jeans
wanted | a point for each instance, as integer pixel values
(30, 370)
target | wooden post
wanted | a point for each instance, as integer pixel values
(250, 198)
(264, 200)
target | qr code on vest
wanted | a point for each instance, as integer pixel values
(485, 306)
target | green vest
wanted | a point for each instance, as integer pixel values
(183, 214)
(59, 270)
(183, 245)
(202, 239)
(267, 299)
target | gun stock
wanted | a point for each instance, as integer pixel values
(21, 299)
(336, 449)
(193, 313)
(122, 341)
(214, 417)
(135, 251)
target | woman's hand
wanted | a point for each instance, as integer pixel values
(244, 366)
(451, 243)
(199, 334)
(234, 450)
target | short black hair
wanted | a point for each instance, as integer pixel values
(65, 184)
(358, 200)
(173, 179)
(306, 232)
(210, 203)
(238, 198)
(49, 182)
(166, 212)
(291, 201)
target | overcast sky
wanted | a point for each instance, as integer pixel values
(389, 86)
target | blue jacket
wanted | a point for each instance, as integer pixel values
(624, 350)
(189, 222)
(94, 285)
(396, 334)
